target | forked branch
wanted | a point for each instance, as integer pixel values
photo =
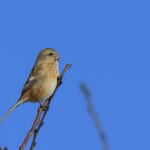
(42, 111)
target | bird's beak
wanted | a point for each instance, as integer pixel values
(58, 57)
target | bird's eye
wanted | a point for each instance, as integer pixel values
(50, 54)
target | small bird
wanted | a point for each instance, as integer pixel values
(42, 80)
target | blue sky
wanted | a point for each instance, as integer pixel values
(107, 42)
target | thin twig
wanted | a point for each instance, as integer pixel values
(36, 131)
(92, 112)
(40, 110)
(5, 148)
(45, 112)
(38, 123)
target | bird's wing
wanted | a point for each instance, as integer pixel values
(30, 81)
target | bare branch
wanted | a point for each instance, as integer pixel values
(49, 101)
(42, 110)
(5, 148)
(92, 112)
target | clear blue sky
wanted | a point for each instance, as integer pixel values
(108, 43)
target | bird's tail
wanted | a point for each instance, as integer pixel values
(10, 111)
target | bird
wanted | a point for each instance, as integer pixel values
(42, 80)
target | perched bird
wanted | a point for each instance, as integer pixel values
(42, 80)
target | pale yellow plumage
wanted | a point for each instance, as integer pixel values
(42, 80)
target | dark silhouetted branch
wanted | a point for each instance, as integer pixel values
(5, 148)
(92, 112)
